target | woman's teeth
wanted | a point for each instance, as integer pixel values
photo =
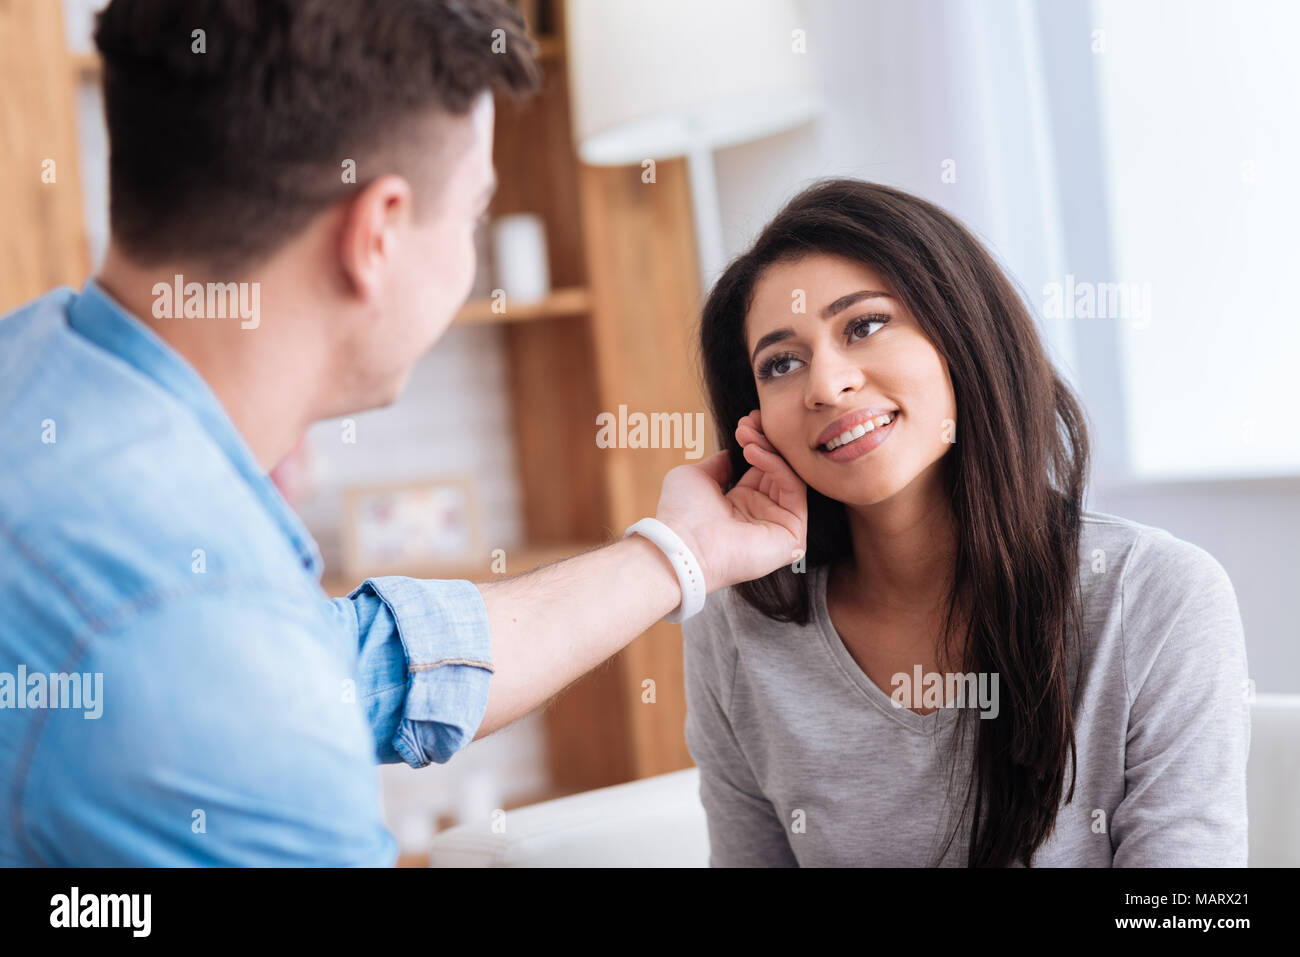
(858, 431)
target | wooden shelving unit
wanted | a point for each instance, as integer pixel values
(631, 246)
(42, 227)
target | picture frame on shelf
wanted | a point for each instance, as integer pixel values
(411, 528)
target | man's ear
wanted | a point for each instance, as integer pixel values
(368, 235)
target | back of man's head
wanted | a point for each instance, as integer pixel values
(231, 122)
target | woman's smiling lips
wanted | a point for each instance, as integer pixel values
(857, 433)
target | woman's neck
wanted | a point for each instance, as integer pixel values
(904, 550)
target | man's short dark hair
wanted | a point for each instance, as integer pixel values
(221, 156)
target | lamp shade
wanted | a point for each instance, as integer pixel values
(659, 80)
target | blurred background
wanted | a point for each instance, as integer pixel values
(1130, 162)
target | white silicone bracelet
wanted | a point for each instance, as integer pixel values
(689, 574)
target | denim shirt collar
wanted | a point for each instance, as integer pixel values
(95, 315)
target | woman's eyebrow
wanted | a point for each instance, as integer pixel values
(842, 303)
(839, 305)
(767, 340)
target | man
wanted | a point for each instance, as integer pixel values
(143, 549)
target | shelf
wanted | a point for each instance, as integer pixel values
(570, 301)
(521, 558)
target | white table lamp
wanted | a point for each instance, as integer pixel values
(677, 78)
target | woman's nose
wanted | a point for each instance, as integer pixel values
(829, 379)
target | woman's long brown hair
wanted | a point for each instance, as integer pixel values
(1016, 476)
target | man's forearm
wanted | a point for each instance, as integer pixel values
(553, 625)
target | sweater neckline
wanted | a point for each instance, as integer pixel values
(927, 724)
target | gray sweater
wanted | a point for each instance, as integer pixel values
(805, 761)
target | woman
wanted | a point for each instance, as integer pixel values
(967, 668)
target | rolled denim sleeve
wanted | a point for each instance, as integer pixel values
(425, 665)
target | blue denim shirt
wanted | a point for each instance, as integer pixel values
(210, 705)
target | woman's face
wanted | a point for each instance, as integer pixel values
(832, 350)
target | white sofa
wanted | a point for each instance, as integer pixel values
(659, 821)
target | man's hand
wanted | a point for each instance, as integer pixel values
(553, 625)
(755, 528)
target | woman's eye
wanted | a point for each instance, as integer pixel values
(777, 366)
(860, 326)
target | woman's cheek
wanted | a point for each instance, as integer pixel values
(797, 454)
(778, 431)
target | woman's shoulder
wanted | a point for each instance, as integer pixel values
(707, 641)
(713, 637)
(709, 652)
(726, 614)
(715, 626)
(1156, 583)
(1145, 556)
